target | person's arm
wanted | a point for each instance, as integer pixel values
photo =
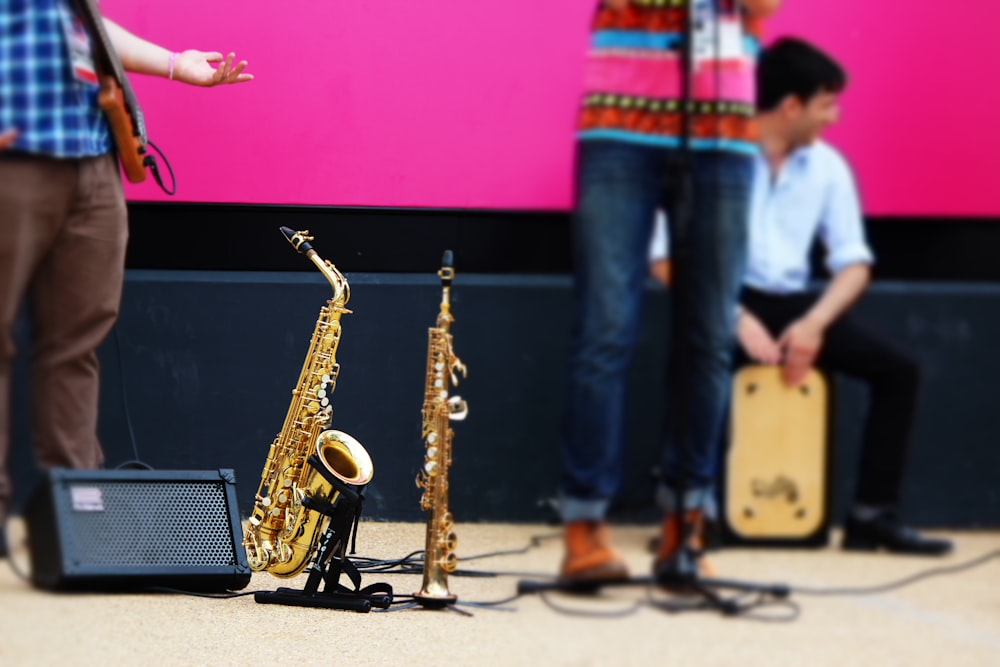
(849, 259)
(839, 295)
(7, 139)
(803, 339)
(755, 339)
(191, 66)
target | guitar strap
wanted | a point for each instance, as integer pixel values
(108, 63)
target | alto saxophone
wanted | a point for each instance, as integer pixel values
(439, 409)
(282, 533)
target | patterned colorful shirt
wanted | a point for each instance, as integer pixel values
(55, 113)
(634, 85)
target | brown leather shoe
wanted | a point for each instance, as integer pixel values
(674, 564)
(589, 555)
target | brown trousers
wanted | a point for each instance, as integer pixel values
(63, 233)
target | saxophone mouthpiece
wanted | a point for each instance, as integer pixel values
(447, 271)
(299, 240)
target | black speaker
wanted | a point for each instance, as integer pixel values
(136, 529)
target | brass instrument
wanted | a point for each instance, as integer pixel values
(439, 409)
(282, 533)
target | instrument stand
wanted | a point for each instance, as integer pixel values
(709, 589)
(681, 577)
(331, 558)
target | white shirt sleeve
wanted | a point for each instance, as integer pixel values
(659, 244)
(841, 227)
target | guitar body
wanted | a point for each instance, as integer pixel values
(131, 149)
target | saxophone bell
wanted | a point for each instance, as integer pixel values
(345, 457)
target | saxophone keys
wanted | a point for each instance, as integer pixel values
(432, 452)
(449, 563)
(431, 468)
(458, 409)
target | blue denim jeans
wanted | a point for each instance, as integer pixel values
(706, 196)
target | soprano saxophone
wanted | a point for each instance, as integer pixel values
(439, 409)
(282, 533)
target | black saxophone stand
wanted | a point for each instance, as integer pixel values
(331, 558)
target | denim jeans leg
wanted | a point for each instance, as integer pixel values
(709, 254)
(620, 186)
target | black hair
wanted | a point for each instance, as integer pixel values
(792, 66)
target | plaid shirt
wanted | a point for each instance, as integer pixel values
(56, 115)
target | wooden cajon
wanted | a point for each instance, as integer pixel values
(776, 479)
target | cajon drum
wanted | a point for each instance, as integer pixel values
(776, 480)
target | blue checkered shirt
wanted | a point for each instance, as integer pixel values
(55, 114)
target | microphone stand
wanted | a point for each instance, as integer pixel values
(681, 575)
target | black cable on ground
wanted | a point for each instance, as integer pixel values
(900, 583)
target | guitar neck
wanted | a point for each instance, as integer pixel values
(110, 61)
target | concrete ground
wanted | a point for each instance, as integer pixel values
(953, 619)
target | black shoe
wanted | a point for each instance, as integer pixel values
(885, 532)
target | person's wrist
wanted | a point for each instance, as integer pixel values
(171, 64)
(815, 321)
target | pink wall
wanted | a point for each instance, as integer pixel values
(471, 104)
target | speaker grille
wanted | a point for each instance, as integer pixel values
(148, 524)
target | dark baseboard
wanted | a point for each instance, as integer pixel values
(236, 237)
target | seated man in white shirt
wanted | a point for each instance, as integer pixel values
(804, 188)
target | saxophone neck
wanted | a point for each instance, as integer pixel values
(341, 289)
(447, 275)
(445, 318)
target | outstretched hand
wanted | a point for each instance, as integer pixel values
(195, 67)
(7, 139)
